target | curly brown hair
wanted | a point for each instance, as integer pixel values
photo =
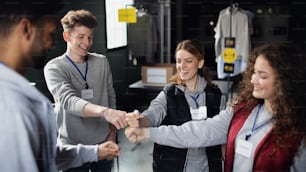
(79, 18)
(289, 102)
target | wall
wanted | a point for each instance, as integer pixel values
(280, 21)
(190, 19)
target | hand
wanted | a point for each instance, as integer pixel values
(132, 119)
(136, 135)
(112, 134)
(116, 117)
(108, 150)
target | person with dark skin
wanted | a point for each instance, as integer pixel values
(264, 128)
(28, 129)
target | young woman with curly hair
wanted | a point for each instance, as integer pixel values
(264, 128)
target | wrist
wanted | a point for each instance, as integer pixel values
(143, 121)
(100, 152)
(93, 110)
(104, 112)
(147, 133)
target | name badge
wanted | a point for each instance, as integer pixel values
(199, 114)
(244, 148)
(87, 94)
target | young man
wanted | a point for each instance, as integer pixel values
(82, 87)
(28, 133)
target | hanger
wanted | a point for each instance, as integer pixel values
(141, 11)
(234, 5)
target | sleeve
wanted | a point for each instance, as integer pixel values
(299, 164)
(69, 156)
(157, 110)
(218, 36)
(195, 134)
(242, 35)
(111, 90)
(62, 89)
(19, 138)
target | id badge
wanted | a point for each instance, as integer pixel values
(199, 114)
(244, 148)
(87, 93)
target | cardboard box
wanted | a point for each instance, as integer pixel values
(158, 74)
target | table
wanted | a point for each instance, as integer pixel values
(140, 95)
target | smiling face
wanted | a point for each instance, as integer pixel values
(79, 41)
(187, 65)
(263, 79)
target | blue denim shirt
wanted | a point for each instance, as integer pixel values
(28, 132)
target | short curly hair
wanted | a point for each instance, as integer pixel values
(78, 18)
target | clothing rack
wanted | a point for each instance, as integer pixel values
(229, 86)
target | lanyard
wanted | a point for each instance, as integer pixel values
(195, 100)
(86, 70)
(254, 128)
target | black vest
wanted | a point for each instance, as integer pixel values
(170, 159)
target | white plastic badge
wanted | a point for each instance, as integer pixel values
(199, 114)
(244, 148)
(87, 94)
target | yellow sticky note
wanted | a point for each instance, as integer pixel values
(127, 15)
